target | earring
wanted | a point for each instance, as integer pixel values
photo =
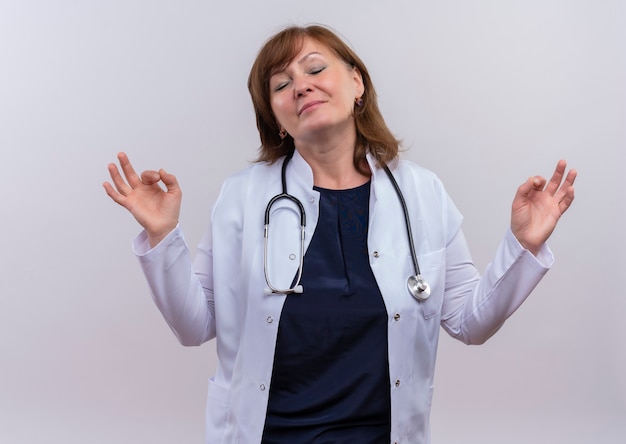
(282, 133)
(358, 102)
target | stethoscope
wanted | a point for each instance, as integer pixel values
(416, 284)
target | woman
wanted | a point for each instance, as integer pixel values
(348, 354)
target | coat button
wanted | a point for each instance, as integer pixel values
(396, 317)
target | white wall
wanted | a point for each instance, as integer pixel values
(483, 92)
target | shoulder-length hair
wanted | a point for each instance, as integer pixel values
(372, 131)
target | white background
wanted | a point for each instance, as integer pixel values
(485, 93)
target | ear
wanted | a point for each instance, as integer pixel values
(277, 123)
(358, 79)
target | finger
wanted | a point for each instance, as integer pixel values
(118, 180)
(150, 177)
(567, 200)
(113, 194)
(534, 183)
(568, 191)
(567, 184)
(557, 177)
(571, 177)
(129, 172)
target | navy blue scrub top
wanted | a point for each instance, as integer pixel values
(330, 382)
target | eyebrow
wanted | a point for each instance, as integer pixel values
(299, 62)
(306, 56)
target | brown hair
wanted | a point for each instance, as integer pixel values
(278, 51)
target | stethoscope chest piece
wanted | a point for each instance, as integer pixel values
(418, 287)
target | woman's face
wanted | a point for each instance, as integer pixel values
(313, 97)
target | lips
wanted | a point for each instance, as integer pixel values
(309, 105)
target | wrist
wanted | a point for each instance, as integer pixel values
(156, 236)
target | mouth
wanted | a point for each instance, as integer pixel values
(309, 105)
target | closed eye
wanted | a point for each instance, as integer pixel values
(281, 86)
(317, 70)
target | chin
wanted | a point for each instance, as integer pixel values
(322, 127)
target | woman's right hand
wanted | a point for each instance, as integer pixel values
(156, 209)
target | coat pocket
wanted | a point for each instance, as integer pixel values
(217, 409)
(432, 267)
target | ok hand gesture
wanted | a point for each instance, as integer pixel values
(156, 209)
(537, 207)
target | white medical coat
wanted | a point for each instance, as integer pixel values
(221, 295)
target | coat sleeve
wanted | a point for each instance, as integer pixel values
(184, 298)
(475, 306)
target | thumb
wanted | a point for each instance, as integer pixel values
(534, 183)
(150, 177)
(169, 180)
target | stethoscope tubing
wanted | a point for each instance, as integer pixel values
(416, 285)
(407, 219)
(297, 288)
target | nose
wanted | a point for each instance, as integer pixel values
(302, 86)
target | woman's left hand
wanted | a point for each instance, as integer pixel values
(537, 207)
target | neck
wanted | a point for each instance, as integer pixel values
(332, 163)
